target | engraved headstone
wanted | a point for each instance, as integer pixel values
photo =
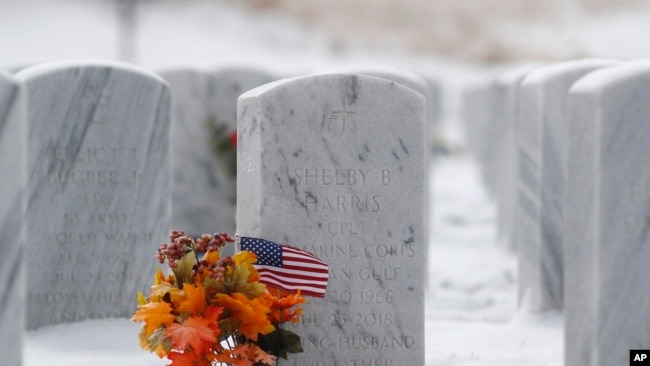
(541, 135)
(607, 307)
(98, 188)
(336, 165)
(13, 144)
(203, 144)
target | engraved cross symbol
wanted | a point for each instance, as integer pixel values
(342, 117)
(97, 99)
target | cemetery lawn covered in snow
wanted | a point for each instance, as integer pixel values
(471, 316)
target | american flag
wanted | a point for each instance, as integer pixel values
(287, 268)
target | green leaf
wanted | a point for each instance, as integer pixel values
(292, 342)
(156, 338)
(280, 342)
(183, 272)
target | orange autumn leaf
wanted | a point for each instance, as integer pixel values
(195, 332)
(226, 357)
(212, 314)
(160, 278)
(165, 290)
(182, 359)
(249, 354)
(195, 302)
(251, 314)
(245, 259)
(211, 257)
(263, 357)
(282, 307)
(154, 315)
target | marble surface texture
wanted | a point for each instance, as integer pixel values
(542, 131)
(336, 165)
(13, 138)
(203, 154)
(607, 246)
(98, 188)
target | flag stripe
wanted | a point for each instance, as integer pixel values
(304, 290)
(314, 271)
(290, 258)
(293, 281)
(296, 274)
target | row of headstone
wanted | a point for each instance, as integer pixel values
(96, 176)
(580, 191)
(336, 164)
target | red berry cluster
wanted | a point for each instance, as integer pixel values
(211, 270)
(212, 243)
(180, 243)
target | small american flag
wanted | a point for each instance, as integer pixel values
(287, 268)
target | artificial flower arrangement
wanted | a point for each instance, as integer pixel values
(214, 310)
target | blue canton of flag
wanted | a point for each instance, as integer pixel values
(287, 268)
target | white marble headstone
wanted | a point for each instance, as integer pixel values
(336, 165)
(504, 129)
(13, 144)
(98, 188)
(477, 109)
(204, 153)
(541, 138)
(607, 306)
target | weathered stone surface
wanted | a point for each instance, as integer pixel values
(336, 164)
(13, 144)
(541, 133)
(204, 154)
(98, 188)
(607, 248)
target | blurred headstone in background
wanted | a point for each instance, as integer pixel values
(477, 111)
(504, 173)
(542, 135)
(607, 306)
(127, 26)
(98, 188)
(204, 146)
(13, 145)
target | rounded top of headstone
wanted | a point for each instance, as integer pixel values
(5, 76)
(397, 74)
(61, 66)
(242, 70)
(353, 78)
(613, 76)
(180, 70)
(545, 73)
(515, 74)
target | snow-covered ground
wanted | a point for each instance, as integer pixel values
(471, 309)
